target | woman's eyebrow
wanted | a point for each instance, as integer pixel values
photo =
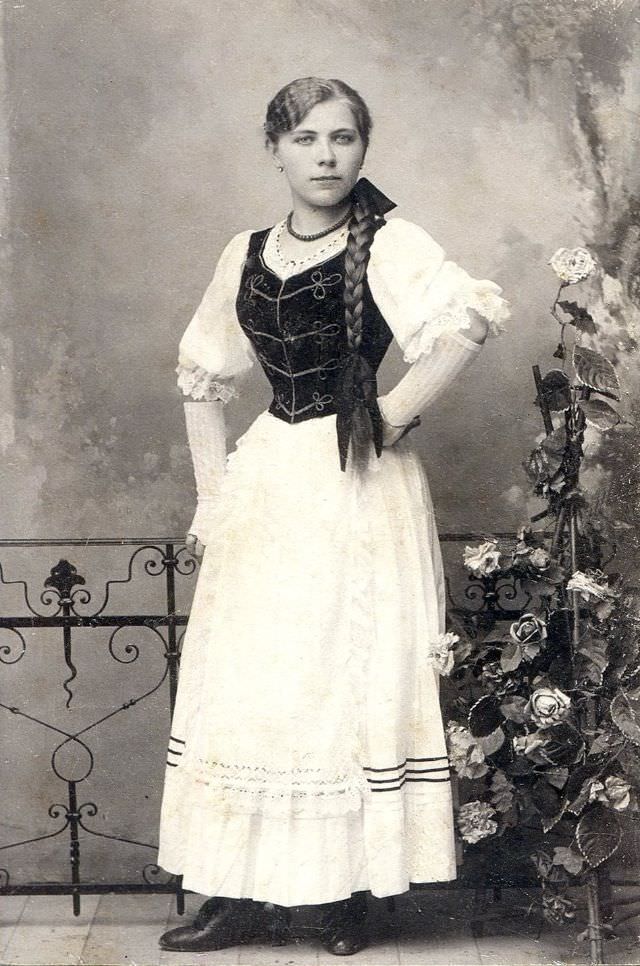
(339, 130)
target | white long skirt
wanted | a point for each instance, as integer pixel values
(307, 757)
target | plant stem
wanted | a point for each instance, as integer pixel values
(544, 407)
(562, 324)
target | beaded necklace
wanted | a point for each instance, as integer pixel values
(319, 234)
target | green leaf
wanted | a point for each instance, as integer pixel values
(492, 742)
(600, 413)
(630, 760)
(511, 657)
(543, 863)
(513, 708)
(554, 446)
(605, 743)
(581, 800)
(557, 777)
(578, 785)
(625, 713)
(485, 716)
(555, 390)
(598, 834)
(593, 660)
(582, 320)
(563, 745)
(546, 798)
(551, 822)
(536, 466)
(595, 371)
(568, 859)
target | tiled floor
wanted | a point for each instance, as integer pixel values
(428, 929)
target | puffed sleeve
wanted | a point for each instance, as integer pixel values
(422, 295)
(214, 350)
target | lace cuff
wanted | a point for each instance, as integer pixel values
(484, 298)
(196, 382)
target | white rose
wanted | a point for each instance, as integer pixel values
(548, 706)
(529, 632)
(441, 654)
(465, 752)
(527, 744)
(590, 585)
(484, 559)
(540, 558)
(476, 820)
(572, 265)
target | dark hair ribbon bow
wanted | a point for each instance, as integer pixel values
(373, 198)
(358, 416)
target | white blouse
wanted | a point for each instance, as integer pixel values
(420, 294)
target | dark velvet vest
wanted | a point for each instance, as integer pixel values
(298, 330)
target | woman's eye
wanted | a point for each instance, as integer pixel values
(303, 139)
(345, 139)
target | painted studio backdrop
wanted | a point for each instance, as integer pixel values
(132, 133)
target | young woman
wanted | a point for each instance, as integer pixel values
(307, 763)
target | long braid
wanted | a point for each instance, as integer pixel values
(362, 227)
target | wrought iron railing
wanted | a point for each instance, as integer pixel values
(66, 604)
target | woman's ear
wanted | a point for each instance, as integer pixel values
(273, 151)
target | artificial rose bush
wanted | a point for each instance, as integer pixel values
(483, 559)
(548, 706)
(572, 265)
(544, 729)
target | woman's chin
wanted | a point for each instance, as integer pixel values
(325, 195)
(330, 198)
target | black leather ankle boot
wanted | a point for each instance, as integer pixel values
(343, 926)
(219, 923)
(278, 923)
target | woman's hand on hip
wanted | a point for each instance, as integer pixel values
(195, 546)
(391, 434)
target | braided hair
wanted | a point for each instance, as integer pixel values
(358, 417)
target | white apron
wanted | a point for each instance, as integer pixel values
(307, 757)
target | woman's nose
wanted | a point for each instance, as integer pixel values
(325, 153)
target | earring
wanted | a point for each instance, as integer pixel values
(280, 168)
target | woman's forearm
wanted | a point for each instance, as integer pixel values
(425, 380)
(206, 433)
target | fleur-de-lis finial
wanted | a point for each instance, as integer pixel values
(63, 578)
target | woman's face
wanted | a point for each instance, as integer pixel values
(322, 156)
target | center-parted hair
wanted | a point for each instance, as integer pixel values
(287, 109)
